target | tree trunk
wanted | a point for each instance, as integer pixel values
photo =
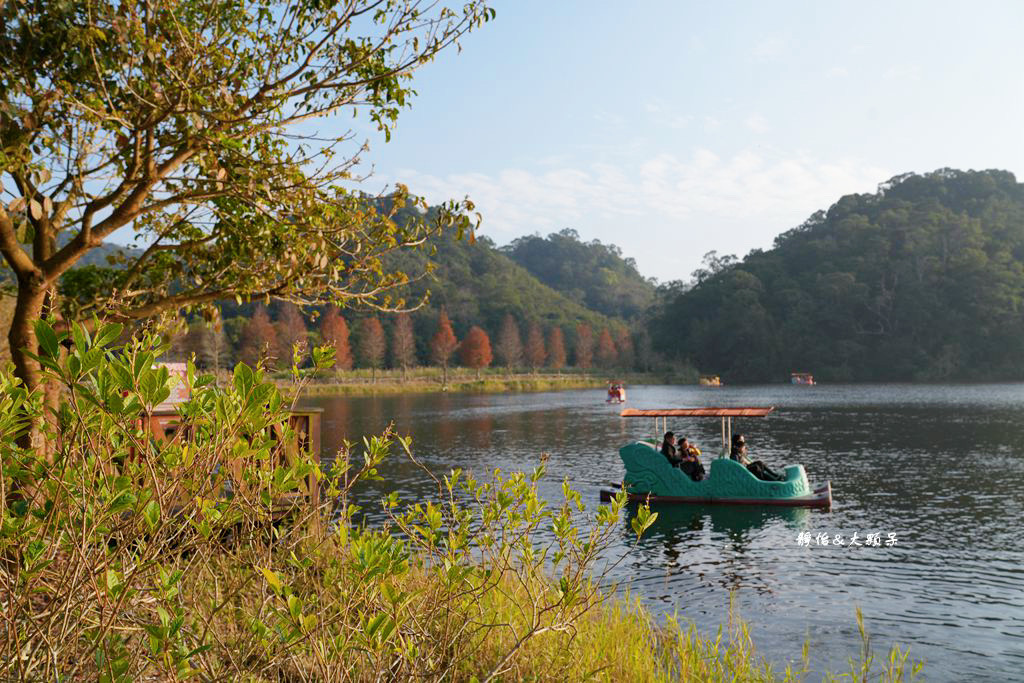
(444, 375)
(22, 339)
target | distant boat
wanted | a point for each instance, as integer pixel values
(802, 378)
(616, 393)
(710, 381)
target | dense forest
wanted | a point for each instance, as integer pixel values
(922, 280)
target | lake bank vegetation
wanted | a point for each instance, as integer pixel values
(123, 557)
(429, 380)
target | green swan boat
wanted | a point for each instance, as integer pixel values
(649, 475)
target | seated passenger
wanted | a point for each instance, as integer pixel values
(669, 450)
(691, 463)
(756, 467)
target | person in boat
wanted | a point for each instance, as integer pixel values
(670, 451)
(690, 463)
(756, 467)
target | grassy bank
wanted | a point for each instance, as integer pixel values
(484, 385)
(492, 380)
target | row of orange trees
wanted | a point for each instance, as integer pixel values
(374, 345)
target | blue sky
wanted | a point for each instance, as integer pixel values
(674, 128)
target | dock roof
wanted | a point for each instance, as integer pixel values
(698, 412)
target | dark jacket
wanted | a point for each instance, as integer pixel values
(693, 469)
(671, 453)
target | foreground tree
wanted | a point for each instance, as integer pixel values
(442, 345)
(373, 345)
(510, 345)
(475, 350)
(334, 333)
(534, 350)
(175, 122)
(403, 344)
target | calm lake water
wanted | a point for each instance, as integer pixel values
(941, 467)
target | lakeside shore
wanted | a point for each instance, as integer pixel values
(429, 380)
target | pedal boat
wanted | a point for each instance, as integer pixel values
(650, 477)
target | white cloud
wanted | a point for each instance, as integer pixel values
(838, 72)
(679, 121)
(711, 123)
(902, 72)
(757, 123)
(769, 48)
(607, 118)
(661, 205)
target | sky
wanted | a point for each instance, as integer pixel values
(674, 128)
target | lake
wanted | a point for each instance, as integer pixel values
(938, 468)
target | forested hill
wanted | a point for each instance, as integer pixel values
(478, 285)
(923, 280)
(592, 274)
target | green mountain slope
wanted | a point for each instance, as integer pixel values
(592, 274)
(478, 285)
(923, 280)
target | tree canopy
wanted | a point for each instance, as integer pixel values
(185, 124)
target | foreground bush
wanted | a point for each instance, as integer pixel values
(124, 557)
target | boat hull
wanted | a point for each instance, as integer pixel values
(649, 476)
(820, 498)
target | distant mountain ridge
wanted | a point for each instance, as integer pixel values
(922, 280)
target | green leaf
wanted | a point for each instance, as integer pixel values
(46, 337)
(272, 579)
(108, 334)
(151, 513)
(294, 606)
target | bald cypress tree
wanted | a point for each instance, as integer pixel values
(259, 340)
(534, 350)
(510, 345)
(475, 350)
(373, 345)
(334, 332)
(556, 348)
(442, 345)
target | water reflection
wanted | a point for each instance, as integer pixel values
(713, 544)
(737, 523)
